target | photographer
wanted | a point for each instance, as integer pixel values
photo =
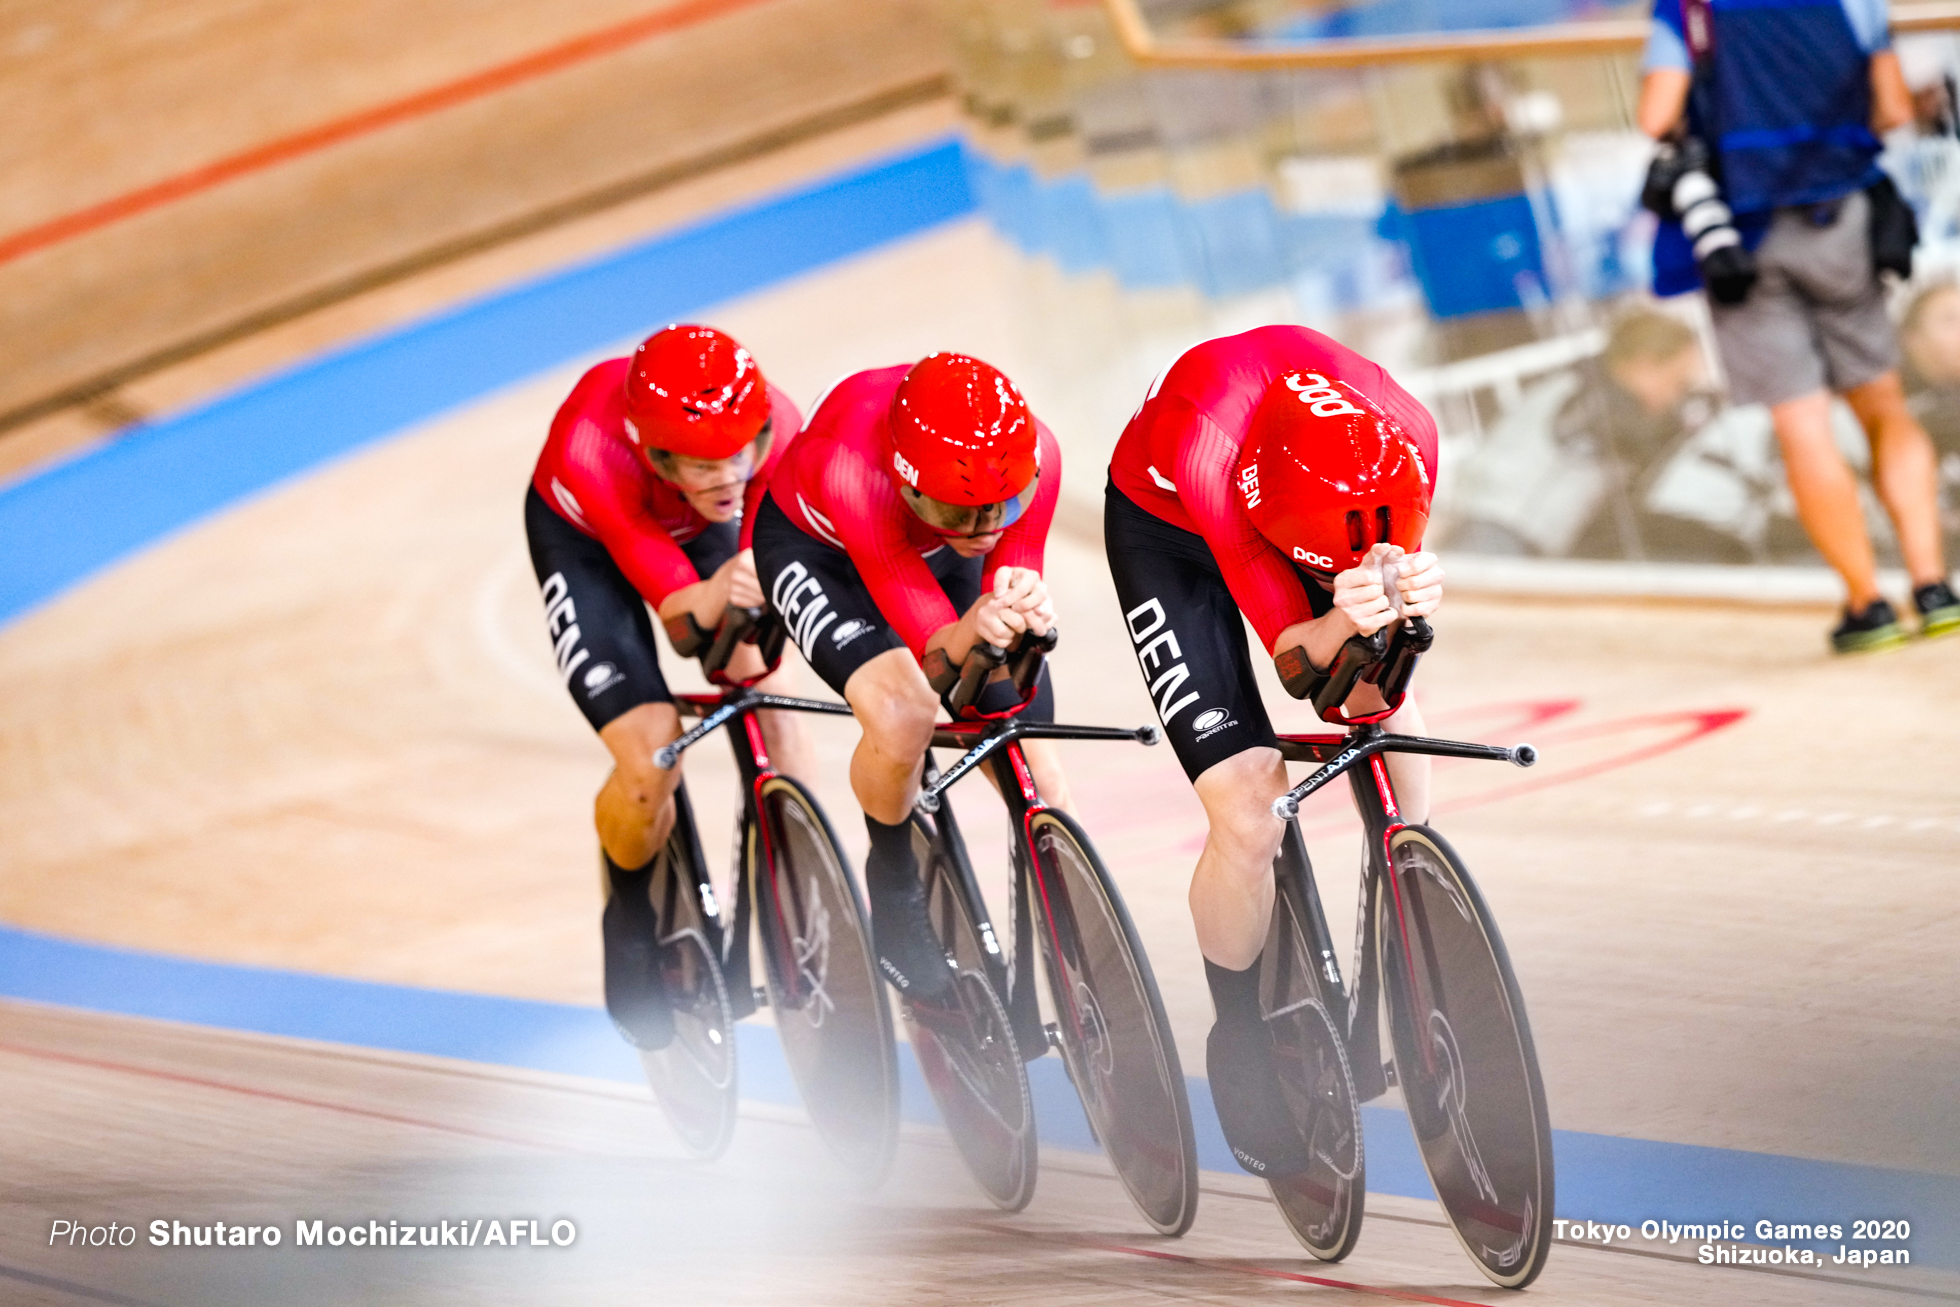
(1769, 115)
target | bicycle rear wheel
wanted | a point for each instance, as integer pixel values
(1323, 1204)
(975, 1074)
(1115, 1039)
(1465, 1060)
(824, 988)
(693, 1077)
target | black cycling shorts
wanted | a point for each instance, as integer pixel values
(831, 615)
(599, 627)
(1188, 634)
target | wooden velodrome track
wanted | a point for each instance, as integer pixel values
(320, 732)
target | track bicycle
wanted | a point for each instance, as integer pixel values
(792, 882)
(1109, 1018)
(1427, 945)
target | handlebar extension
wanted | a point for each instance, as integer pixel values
(1376, 659)
(1023, 658)
(1331, 687)
(735, 624)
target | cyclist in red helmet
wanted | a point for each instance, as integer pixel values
(1271, 474)
(644, 496)
(910, 517)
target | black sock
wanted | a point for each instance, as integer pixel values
(1234, 993)
(892, 863)
(629, 888)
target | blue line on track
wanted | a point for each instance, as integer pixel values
(61, 526)
(1600, 1177)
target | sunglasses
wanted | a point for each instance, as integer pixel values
(964, 520)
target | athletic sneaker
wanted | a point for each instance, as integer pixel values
(1939, 609)
(636, 989)
(1252, 1109)
(1875, 628)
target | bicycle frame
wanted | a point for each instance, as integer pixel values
(1361, 754)
(997, 743)
(736, 708)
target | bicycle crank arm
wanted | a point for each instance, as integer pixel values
(668, 756)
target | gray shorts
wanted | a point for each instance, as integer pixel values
(1816, 317)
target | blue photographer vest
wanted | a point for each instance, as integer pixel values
(1786, 103)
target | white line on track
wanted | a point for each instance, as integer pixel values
(1751, 812)
(533, 670)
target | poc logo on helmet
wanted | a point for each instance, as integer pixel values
(1319, 394)
(1312, 559)
(905, 469)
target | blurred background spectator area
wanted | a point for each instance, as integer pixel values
(1154, 171)
(1462, 208)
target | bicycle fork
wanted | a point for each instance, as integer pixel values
(1011, 973)
(1352, 1010)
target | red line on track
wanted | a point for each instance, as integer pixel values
(1266, 1272)
(363, 122)
(272, 1095)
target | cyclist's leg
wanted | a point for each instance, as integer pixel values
(634, 811)
(1232, 886)
(817, 592)
(603, 640)
(606, 653)
(1191, 646)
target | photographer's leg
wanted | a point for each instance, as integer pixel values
(1905, 472)
(1826, 493)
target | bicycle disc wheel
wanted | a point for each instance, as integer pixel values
(693, 1077)
(975, 1074)
(1323, 1204)
(1115, 1039)
(824, 988)
(1465, 1060)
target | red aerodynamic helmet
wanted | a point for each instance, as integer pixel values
(693, 391)
(1326, 475)
(964, 451)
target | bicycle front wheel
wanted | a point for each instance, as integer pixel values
(824, 989)
(1323, 1204)
(1115, 1039)
(974, 1069)
(1464, 1058)
(693, 1077)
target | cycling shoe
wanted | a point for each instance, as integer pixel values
(1252, 1109)
(909, 954)
(636, 989)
